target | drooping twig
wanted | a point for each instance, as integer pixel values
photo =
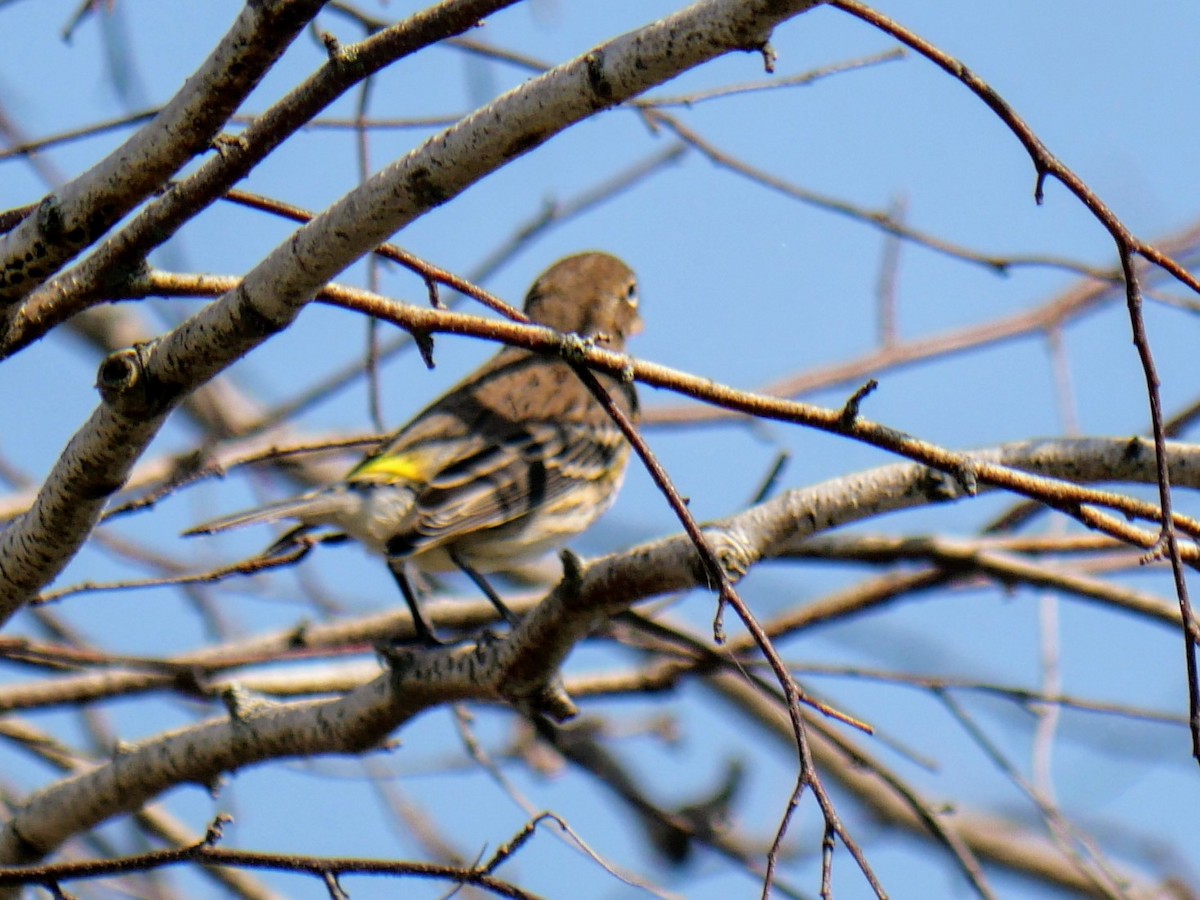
(1046, 165)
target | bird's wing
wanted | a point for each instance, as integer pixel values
(502, 482)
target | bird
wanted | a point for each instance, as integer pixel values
(511, 463)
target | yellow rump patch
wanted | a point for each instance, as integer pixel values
(410, 467)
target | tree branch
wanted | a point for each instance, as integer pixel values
(73, 218)
(148, 383)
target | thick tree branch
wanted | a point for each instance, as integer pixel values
(98, 459)
(127, 250)
(775, 529)
(519, 669)
(74, 218)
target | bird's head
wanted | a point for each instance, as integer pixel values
(591, 294)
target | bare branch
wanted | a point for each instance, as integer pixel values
(150, 383)
(71, 219)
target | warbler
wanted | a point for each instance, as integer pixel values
(511, 463)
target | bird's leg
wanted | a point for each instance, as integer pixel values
(488, 591)
(424, 633)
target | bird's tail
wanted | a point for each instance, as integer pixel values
(307, 509)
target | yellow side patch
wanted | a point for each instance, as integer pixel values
(408, 467)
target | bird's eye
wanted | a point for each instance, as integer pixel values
(631, 294)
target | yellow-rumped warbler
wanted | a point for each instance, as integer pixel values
(510, 463)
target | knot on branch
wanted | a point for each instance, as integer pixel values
(574, 349)
(769, 57)
(733, 551)
(573, 569)
(551, 701)
(230, 147)
(943, 487)
(125, 383)
(242, 705)
(119, 373)
(598, 78)
(849, 414)
(333, 47)
(216, 830)
(1137, 449)
(50, 219)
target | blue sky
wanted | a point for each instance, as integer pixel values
(739, 284)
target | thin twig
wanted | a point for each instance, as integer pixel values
(1046, 165)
